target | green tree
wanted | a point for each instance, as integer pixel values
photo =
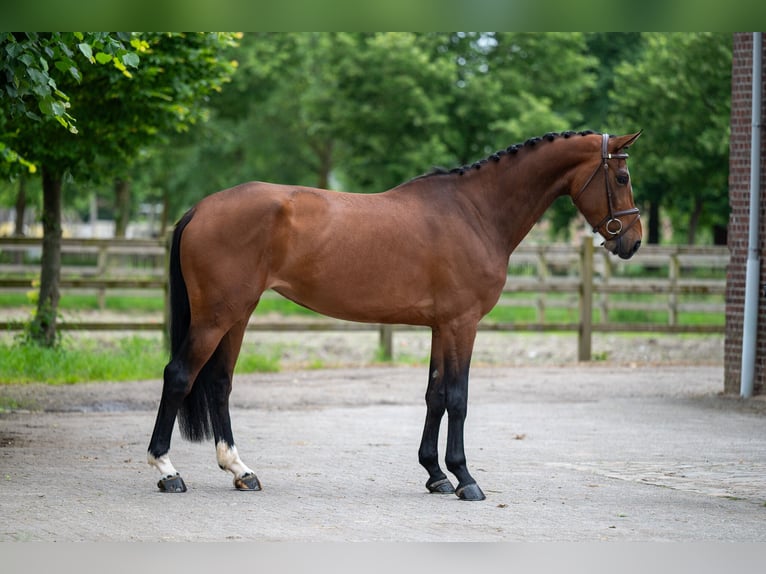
(679, 92)
(169, 93)
(388, 116)
(34, 65)
(120, 108)
(38, 68)
(610, 49)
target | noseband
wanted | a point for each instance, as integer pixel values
(611, 223)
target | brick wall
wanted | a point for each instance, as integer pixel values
(739, 198)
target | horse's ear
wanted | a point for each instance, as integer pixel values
(623, 142)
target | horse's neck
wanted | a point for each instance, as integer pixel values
(516, 191)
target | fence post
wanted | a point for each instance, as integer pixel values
(103, 257)
(387, 342)
(542, 275)
(585, 329)
(674, 272)
(606, 276)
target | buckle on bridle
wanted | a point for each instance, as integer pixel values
(608, 227)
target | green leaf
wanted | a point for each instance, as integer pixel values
(65, 49)
(130, 59)
(103, 58)
(58, 108)
(86, 51)
(46, 106)
(37, 76)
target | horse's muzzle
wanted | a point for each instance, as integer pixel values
(622, 248)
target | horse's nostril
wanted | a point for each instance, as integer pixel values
(636, 246)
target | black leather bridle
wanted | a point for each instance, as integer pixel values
(611, 222)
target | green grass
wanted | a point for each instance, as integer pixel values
(87, 360)
(251, 361)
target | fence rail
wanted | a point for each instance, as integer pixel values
(592, 288)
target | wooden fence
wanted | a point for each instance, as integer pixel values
(592, 288)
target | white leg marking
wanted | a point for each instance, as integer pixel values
(163, 464)
(228, 459)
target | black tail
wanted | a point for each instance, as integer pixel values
(180, 311)
(193, 415)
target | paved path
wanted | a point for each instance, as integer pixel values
(579, 453)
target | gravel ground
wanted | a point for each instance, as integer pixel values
(597, 452)
(638, 445)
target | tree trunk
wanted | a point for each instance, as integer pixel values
(165, 217)
(21, 207)
(694, 219)
(44, 324)
(654, 223)
(324, 155)
(121, 206)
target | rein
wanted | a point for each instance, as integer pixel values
(611, 223)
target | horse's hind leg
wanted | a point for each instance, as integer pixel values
(220, 368)
(179, 376)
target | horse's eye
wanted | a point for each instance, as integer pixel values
(622, 178)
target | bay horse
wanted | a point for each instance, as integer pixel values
(432, 251)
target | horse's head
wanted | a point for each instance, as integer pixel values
(602, 192)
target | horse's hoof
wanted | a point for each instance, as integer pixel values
(247, 482)
(172, 484)
(470, 492)
(443, 486)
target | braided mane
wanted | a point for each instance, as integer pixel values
(510, 150)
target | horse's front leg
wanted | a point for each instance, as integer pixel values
(457, 364)
(457, 408)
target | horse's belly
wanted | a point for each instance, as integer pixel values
(363, 303)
